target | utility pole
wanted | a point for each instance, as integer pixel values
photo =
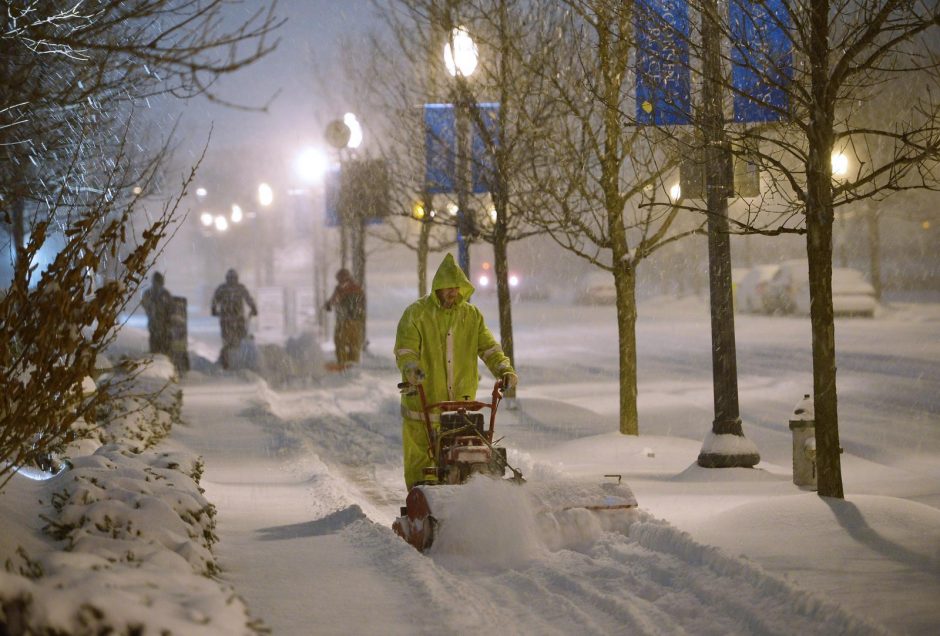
(718, 184)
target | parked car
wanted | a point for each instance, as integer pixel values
(520, 287)
(597, 288)
(751, 296)
(789, 281)
(852, 295)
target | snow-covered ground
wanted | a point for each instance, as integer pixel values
(307, 480)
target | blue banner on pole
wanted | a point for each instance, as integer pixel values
(440, 127)
(483, 160)
(663, 94)
(440, 143)
(761, 60)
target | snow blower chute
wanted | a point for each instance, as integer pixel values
(463, 447)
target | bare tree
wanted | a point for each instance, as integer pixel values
(63, 67)
(601, 175)
(839, 56)
(79, 180)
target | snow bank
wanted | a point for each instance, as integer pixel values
(128, 535)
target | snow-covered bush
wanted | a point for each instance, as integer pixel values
(131, 534)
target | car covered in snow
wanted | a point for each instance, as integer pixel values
(596, 288)
(751, 293)
(852, 295)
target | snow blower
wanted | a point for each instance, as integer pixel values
(461, 448)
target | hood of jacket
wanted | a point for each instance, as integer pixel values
(449, 274)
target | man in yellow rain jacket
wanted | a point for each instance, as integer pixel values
(438, 342)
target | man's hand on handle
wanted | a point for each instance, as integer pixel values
(413, 373)
(510, 380)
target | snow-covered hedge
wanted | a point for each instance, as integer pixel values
(129, 531)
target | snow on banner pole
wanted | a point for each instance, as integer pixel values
(761, 60)
(662, 61)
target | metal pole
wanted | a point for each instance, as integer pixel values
(717, 187)
(464, 235)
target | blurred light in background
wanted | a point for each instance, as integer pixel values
(311, 165)
(206, 219)
(355, 130)
(237, 214)
(265, 195)
(221, 223)
(201, 192)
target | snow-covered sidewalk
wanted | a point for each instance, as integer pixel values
(307, 481)
(281, 513)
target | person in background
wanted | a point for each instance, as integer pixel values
(228, 303)
(349, 301)
(158, 304)
(437, 344)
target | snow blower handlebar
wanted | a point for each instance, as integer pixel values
(460, 406)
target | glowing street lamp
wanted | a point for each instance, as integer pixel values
(206, 219)
(355, 131)
(221, 223)
(675, 192)
(460, 53)
(237, 213)
(201, 193)
(311, 164)
(265, 195)
(840, 164)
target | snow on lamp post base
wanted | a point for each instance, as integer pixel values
(727, 451)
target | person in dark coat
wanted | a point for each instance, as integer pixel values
(157, 301)
(228, 303)
(349, 301)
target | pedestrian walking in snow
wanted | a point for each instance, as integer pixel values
(228, 303)
(349, 302)
(439, 339)
(157, 302)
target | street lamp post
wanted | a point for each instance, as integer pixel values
(460, 58)
(727, 423)
(265, 199)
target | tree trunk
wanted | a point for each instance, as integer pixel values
(501, 266)
(625, 283)
(874, 250)
(819, 221)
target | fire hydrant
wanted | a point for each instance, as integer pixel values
(803, 425)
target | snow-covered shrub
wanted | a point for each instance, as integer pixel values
(117, 501)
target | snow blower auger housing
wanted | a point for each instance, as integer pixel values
(461, 448)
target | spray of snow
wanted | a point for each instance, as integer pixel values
(490, 524)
